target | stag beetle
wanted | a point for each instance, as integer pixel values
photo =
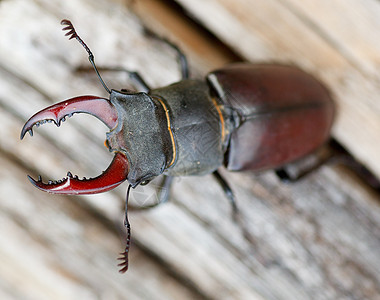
(243, 116)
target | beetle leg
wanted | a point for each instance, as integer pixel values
(287, 177)
(333, 154)
(137, 81)
(164, 189)
(182, 59)
(163, 193)
(284, 175)
(301, 168)
(102, 109)
(228, 191)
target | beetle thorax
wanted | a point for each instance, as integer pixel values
(140, 135)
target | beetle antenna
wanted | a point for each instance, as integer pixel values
(124, 255)
(73, 34)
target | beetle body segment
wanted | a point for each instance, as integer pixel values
(285, 114)
(140, 135)
(196, 123)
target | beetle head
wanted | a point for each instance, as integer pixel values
(136, 137)
(141, 135)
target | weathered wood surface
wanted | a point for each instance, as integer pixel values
(316, 239)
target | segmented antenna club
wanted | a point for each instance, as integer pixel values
(73, 34)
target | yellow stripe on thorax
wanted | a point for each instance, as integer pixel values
(170, 130)
(220, 117)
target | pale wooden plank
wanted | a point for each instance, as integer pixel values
(54, 248)
(316, 239)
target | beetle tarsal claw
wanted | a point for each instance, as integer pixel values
(115, 174)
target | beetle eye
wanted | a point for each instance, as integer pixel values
(145, 182)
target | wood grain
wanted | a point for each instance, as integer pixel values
(316, 239)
